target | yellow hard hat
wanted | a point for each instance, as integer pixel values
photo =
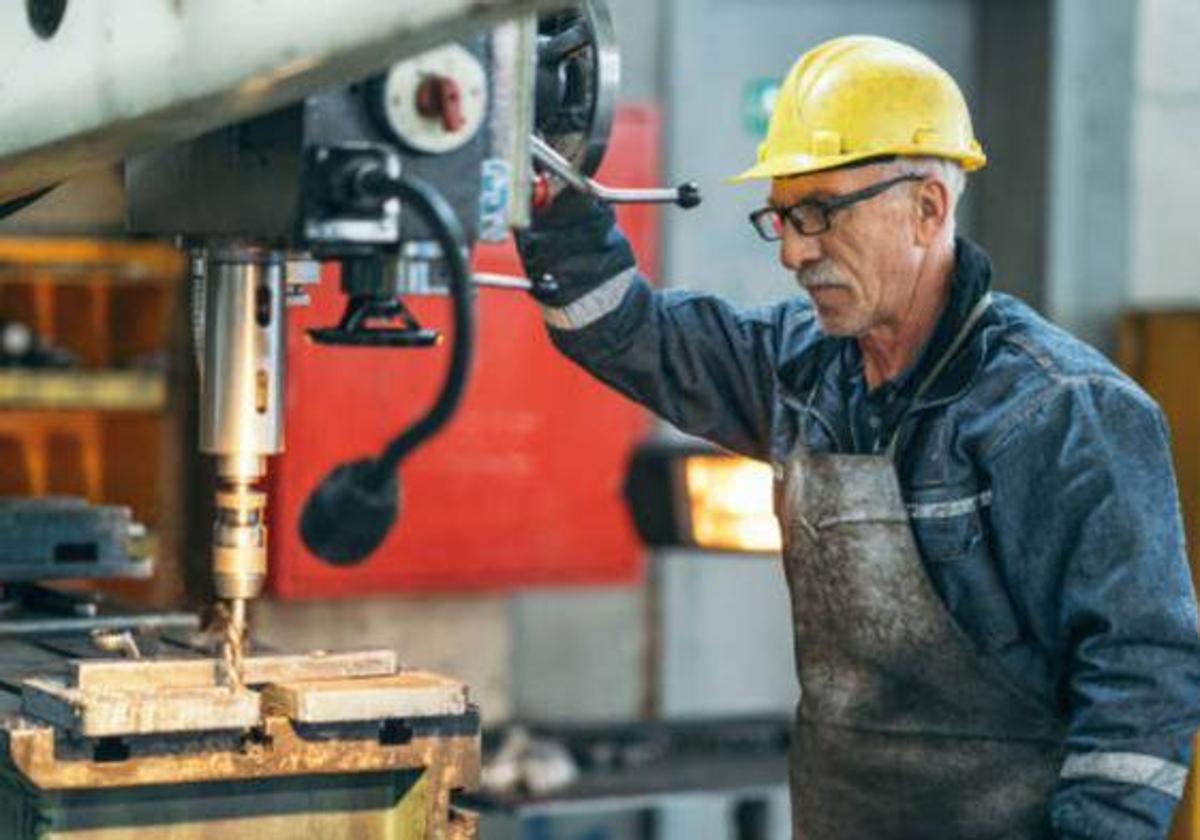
(860, 97)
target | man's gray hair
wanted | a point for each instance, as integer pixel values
(949, 172)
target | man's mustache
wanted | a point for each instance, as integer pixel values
(818, 275)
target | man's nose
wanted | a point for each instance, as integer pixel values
(797, 250)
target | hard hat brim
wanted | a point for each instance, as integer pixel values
(786, 166)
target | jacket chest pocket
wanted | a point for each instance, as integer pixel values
(951, 536)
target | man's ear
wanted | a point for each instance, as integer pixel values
(932, 211)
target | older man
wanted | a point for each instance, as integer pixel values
(996, 634)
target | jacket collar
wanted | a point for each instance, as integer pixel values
(972, 280)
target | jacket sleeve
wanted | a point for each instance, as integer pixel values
(694, 359)
(1086, 510)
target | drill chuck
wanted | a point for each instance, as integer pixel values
(240, 543)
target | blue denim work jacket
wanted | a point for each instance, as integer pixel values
(1038, 480)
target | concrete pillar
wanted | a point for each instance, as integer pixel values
(1091, 173)
(1166, 135)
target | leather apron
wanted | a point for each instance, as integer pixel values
(904, 728)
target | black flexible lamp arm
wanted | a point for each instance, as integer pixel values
(350, 512)
(439, 216)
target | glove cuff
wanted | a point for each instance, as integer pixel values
(568, 255)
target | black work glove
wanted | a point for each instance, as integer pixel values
(572, 247)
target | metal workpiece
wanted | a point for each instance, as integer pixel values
(261, 669)
(146, 697)
(410, 694)
(155, 712)
(103, 697)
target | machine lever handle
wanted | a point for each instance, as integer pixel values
(540, 288)
(686, 196)
(501, 281)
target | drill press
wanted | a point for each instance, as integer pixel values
(321, 180)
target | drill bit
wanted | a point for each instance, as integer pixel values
(239, 565)
(232, 616)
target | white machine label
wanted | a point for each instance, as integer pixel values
(493, 200)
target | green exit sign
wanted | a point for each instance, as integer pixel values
(758, 100)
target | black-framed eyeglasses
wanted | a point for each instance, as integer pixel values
(812, 215)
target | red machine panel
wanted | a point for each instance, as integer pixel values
(522, 487)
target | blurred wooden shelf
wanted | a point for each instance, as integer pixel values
(100, 390)
(69, 259)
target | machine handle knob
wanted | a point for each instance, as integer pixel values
(687, 195)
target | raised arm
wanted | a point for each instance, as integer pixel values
(694, 359)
